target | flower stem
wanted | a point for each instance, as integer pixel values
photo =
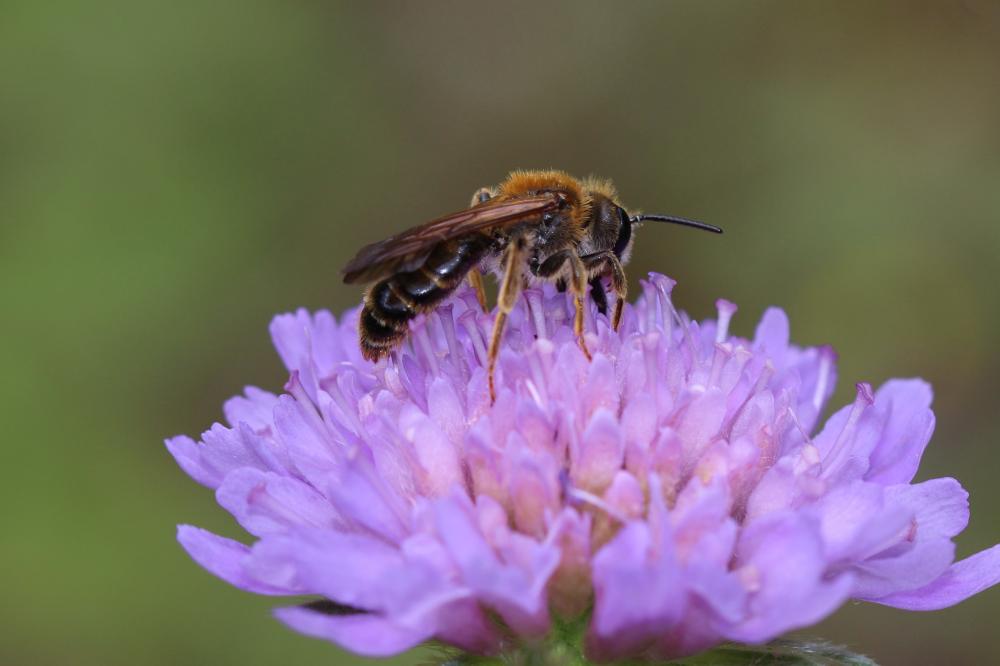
(776, 653)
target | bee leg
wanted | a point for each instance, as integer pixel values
(510, 289)
(612, 266)
(620, 284)
(598, 295)
(550, 267)
(476, 280)
(554, 265)
(578, 287)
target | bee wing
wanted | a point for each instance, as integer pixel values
(406, 249)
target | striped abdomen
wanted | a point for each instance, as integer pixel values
(393, 302)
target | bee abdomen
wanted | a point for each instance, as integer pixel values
(393, 302)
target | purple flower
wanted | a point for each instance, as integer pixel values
(674, 487)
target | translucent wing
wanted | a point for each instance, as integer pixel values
(406, 249)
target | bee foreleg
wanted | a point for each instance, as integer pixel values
(578, 287)
(510, 289)
(551, 267)
(608, 263)
(476, 281)
(598, 295)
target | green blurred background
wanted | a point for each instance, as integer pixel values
(173, 174)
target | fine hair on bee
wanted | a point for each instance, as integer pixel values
(535, 226)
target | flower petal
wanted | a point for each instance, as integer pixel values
(856, 522)
(300, 431)
(364, 633)
(771, 337)
(638, 585)
(352, 569)
(437, 458)
(399, 489)
(267, 503)
(961, 581)
(781, 559)
(361, 496)
(187, 454)
(225, 558)
(255, 408)
(517, 593)
(908, 429)
(600, 453)
(922, 563)
(941, 506)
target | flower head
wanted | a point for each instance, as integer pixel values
(674, 487)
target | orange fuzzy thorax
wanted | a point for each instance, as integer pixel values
(520, 183)
(579, 193)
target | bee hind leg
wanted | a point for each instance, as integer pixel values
(510, 290)
(476, 281)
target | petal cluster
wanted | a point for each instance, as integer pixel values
(675, 489)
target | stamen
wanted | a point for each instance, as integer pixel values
(468, 319)
(297, 391)
(650, 347)
(557, 314)
(534, 298)
(689, 340)
(651, 302)
(798, 425)
(537, 384)
(406, 365)
(719, 358)
(574, 494)
(726, 312)
(391, 377)
(764, 378)
(808, 458)
(535, 394)
(423, 340)
(907, 533)
(664, 288)
(732, 371)
(838, 452)
(455, 354)
(762, 381)
(471, 300)
(826, 358)
(348, 413)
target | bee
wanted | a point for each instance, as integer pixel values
(534, 226)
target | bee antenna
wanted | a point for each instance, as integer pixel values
(677, 220)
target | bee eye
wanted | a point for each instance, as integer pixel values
(547, 219)
(624, 216)
(624, 233)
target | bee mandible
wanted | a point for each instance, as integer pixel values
(535, 226)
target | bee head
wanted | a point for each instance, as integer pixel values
(627, 222)
(610, 225)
